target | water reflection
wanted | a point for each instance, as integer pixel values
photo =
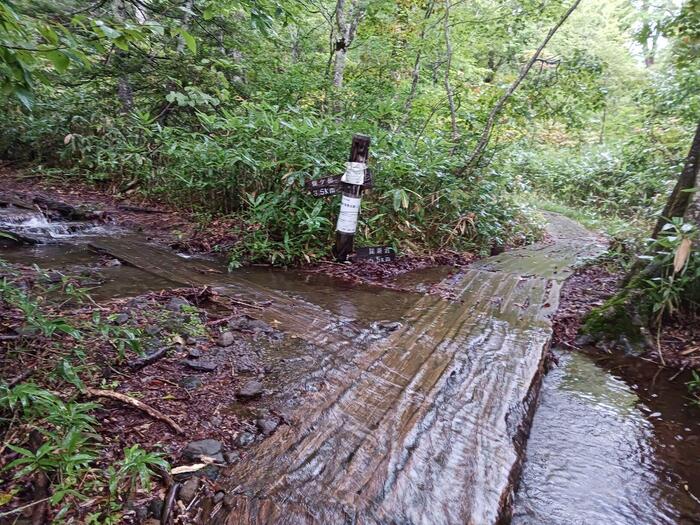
(597, 455)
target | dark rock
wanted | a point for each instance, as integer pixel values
(267, 425)
(244, 439)
(189, 490)
(190, 382)
(259, 326)
(240, 323)
(141, 512)
(584, 340)
(155, 508)
(191, 340)
(204, 447)
(219, 496)
(120, 319)
(216, 421)
(389, 326)
(201, 365)
(194, 353)
(232, 457)
(225, 339)
(176, 303)
(113, 263)
(210, 472)
(251, 389)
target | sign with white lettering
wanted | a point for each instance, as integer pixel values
(375, 253)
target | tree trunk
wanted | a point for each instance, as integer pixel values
(189, 4)
(683, 201)
(346, 34)
(448, 87)
(415, 75)
(491, 120)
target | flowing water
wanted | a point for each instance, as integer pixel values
(612, 440)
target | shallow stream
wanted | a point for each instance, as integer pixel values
(612, 442)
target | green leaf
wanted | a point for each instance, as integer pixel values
(25, 97)
(59, 60)
(189, 40)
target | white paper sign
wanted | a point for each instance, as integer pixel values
(349, 210)
(354, 173)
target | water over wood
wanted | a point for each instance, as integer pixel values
(428, 425)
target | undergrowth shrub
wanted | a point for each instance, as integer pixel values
(253, 163)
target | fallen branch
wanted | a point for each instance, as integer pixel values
(155, 414)
(21, 378)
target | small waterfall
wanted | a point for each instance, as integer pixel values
(34, 225)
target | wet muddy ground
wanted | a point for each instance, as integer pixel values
(612, 441)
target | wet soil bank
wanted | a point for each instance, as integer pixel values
(678, 342)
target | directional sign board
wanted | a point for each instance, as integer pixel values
(331, 185)
(324, 186)
(375, 253)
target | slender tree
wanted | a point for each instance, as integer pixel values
(483, 141)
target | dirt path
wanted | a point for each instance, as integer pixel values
(428, 425)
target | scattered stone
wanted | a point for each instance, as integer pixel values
(584, 340)
(176, 303)
(219, 496)
(251, 389)
(204, 447)
(201, 365)
(225, 339)
(248, 323)
(113, 263)
(189, 490)
(232, 457)
(216, 421)
(155, 508)
(152, 329)
(190, 382)
(121, 318)
(244, 439)
(267, 425)
(191, 340)
(194, 353)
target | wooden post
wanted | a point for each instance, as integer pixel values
(350, 203)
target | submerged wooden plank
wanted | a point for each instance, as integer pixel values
(424, 427)
(427, 427)
(296, 316)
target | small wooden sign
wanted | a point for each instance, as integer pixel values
(375, 253)
(330, 185)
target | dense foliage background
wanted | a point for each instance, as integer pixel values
(229, 106)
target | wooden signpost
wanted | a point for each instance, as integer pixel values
(351, 184)
(351, 187)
